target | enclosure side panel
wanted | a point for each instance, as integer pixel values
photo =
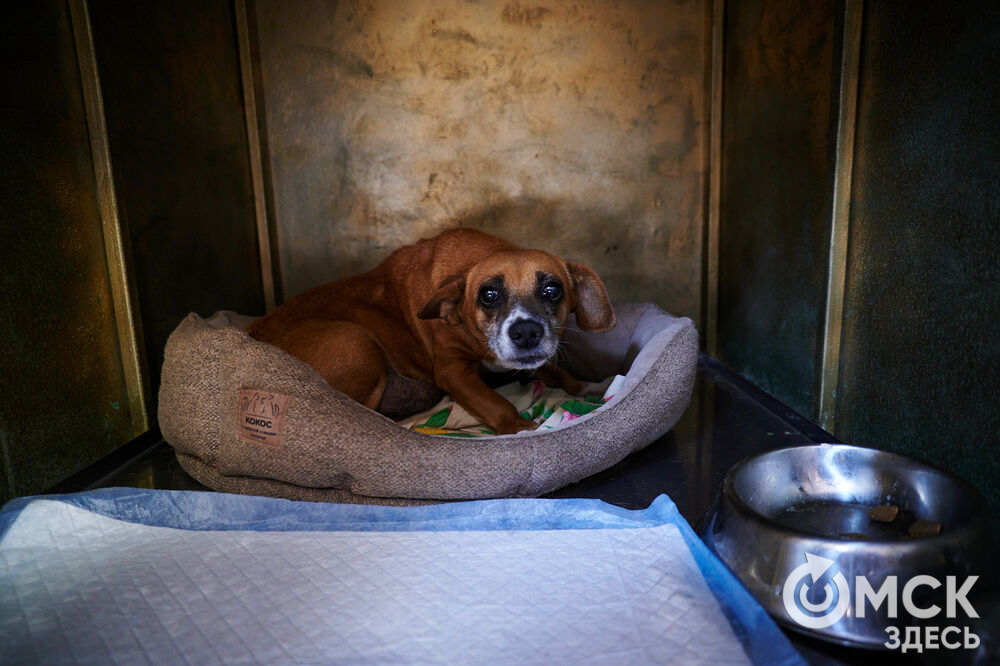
(778, 135)
(172, 94)
(64, 402)
(920, 362)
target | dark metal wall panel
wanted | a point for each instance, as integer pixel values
(778, 134)
(576, 127)
(64, 398)
(920, 363)
(171, 80)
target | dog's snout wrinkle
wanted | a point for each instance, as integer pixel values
(526, 334)
(522, 341)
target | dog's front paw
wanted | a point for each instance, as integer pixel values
(514, 426)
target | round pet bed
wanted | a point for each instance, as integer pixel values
(246, 417)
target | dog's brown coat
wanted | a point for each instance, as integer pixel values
(418, 315)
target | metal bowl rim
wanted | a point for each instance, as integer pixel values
(729, 494)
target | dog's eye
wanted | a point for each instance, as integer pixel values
(552, 291)
(489, 296)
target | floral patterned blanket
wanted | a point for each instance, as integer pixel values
(546, 406)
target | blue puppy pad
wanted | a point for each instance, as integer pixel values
(134, 576)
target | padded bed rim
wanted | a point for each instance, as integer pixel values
(373, 460)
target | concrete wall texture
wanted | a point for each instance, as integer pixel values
(576, 128)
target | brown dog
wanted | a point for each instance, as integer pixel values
(435, 312)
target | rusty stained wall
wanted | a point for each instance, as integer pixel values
(578, 128)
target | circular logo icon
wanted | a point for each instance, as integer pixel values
(804, 579)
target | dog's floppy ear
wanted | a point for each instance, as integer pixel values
(593, 307)
(444, 303)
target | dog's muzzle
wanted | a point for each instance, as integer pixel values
(522, 342)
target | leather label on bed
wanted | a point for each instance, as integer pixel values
(262, 417)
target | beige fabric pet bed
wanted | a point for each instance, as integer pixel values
(246, 417)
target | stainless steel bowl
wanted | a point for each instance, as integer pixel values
(797, 517)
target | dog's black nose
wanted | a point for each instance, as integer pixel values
(525, 333)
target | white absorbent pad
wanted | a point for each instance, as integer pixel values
(196, 578)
